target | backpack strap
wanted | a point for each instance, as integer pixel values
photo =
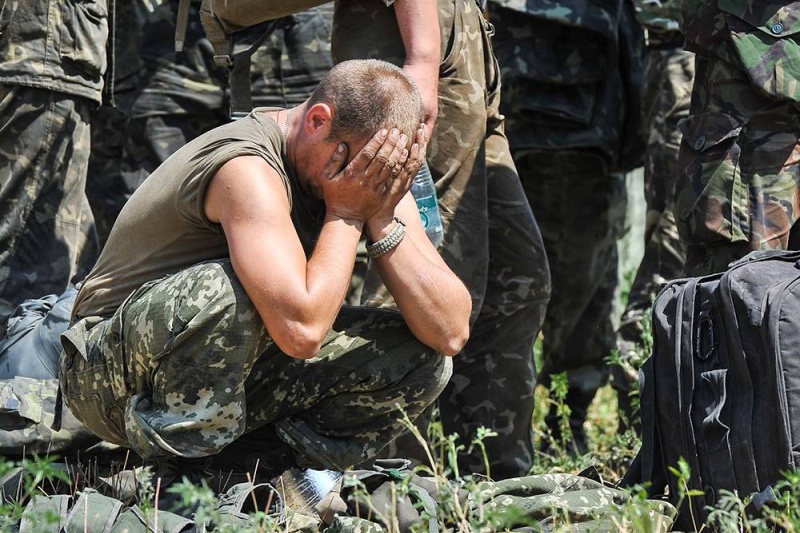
(232, 50)
(244, 45)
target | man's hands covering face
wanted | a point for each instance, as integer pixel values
(370, 187)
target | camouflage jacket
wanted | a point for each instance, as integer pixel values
(571, 73)
(54, 44)
(663, 15)
(760, 36)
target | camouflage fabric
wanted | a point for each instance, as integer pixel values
(582, 253)
(491, 240)
(185, 367)
(574, 79)
(661, 15)
(185, 94)
(760, 37)
(545, 502)
(571, 77)
(575, 503)
(104, 183)
(669, 75)
(46, 231)
(739, 161)
(29, 381)
(56, 45)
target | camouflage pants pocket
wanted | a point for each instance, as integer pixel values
(712, 199)
(91, 400)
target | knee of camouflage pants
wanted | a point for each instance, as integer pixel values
(173, 358)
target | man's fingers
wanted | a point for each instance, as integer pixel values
(336, 162)
(368, 153)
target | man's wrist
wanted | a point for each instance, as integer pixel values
(388, 242)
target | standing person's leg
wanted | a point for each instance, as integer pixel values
(458, 156)
(495, 376)
(575, 202)
(669, 75)
(47, 234)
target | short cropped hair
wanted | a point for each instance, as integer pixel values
(367, 95)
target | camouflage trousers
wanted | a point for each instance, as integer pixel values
(185, 367)
(668, 79)
(739, 167)
(47, 233)
(491, 239)
(582, 252)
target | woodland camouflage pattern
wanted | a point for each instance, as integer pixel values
(46, 222)
(491, 240)
(56, 45)
(667, 89)
(573, 115)
(52, 58)
(740, 157)
(185, 94)
(185, 366)
(658, 14)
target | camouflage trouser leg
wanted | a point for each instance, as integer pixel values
(185, 367)
(668, 79)
(47, 230)
(739, 168)
(491, 240)
(104, 183)
(581, 250)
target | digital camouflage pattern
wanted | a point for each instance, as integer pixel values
(185, 367)
(739, 162)
(184, 94)
(491, 239)
(667, 89)
(27, 413)
(46, 230)
(576, 503)
(56, 45)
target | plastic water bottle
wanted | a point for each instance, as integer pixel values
(428, 205)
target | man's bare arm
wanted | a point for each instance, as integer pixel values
(418, 21)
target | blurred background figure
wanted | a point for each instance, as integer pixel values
(739, 161)
(52, 62)
(181, 95)
(666, 91)
(571, 74)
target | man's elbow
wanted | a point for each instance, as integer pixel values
(300, 343)
(451, 344)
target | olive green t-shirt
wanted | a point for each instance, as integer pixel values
(163, 228)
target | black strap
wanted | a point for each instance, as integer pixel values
(245, 44)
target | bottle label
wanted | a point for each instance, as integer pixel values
(425, 204)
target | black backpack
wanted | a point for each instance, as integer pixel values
(722, 387)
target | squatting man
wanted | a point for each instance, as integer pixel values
(215, 309)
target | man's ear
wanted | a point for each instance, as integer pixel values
(318, 119)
